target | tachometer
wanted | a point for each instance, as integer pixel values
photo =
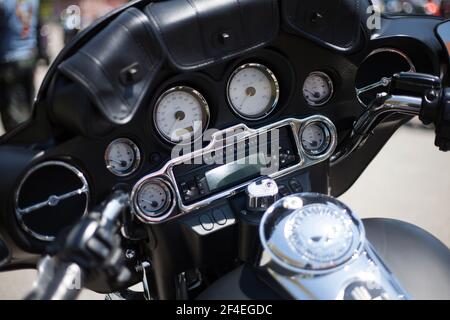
(253, 91)
(153, 199)
(315, 138)
(122, 157)
(181, 115)
(318, 88)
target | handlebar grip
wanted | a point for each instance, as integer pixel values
(57, 281)
(93, 245)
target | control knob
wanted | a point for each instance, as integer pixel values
(261, 195)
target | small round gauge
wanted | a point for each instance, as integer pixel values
(253, 91)
(315, 138)
(122, 157)
(318, 88)
(181, 115)
(153, 198)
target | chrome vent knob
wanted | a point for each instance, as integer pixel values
(261, 195)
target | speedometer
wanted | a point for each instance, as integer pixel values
(253, 91)
(181, 114)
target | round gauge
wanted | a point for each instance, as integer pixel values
(122, 157)
(315, 138)
(153, 198)
(253, 91)
(181, 115)
(318, 88)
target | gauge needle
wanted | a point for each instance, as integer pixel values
(154, 204)
(120, 163)
(179, 116)
(249, 92)
(314, 94)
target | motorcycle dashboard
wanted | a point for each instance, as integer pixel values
(304, 90)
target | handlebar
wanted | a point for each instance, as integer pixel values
(92, 245)
(410, 94)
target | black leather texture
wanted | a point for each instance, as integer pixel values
(420, 262)
(337, 23)
(196, 33)
(117, 66)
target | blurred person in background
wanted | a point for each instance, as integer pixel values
(19, 23)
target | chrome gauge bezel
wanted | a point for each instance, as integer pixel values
(327, 135)
(165, 211)
(330, 83)
(137, 157)
(203, 104)
(19, 211)
(275, 87)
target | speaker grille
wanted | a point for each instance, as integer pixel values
(51, 196)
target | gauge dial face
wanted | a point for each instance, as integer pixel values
(253, 91)
(154, 198)
(181, 115)
(122, 157)
(315, 138)
(318, 88)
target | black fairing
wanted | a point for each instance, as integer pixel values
(335, 25)
(4, 253)
(214, 30)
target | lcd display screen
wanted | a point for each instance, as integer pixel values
(236, 172)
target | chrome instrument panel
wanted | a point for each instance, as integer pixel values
(237, 133)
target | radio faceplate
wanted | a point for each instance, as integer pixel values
(235, 164)
(234, 158)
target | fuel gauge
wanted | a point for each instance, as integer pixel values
(153, 199)
(318, 89)
(315, 138)
(122, 157)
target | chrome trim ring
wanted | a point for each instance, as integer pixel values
(53, 200)
(326, 130)
(137, 157)
(162, 213)
(203, 103)
(275, 86)
(330, 83)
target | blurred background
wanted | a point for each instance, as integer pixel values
(409, 180)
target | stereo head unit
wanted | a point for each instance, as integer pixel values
(241, 161)
(234, 158)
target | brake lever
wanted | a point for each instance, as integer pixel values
(408, 94)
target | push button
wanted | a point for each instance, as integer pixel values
(295, 185)
(283, 190)
(206, 222)
(219, 217)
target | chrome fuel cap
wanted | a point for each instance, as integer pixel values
(311, 233)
